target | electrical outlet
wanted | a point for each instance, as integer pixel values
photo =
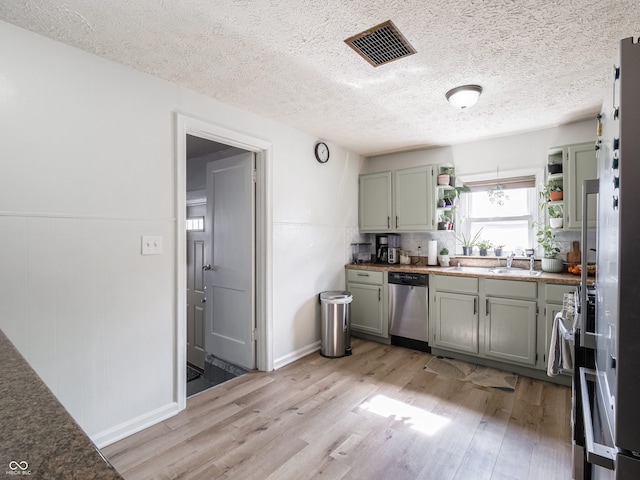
(151, 245)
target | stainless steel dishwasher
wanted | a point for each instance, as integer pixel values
(409, 310)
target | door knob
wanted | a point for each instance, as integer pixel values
(204, 299)
(206, 267)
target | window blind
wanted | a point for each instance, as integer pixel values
(527, 181)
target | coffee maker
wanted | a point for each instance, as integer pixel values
(383, 243)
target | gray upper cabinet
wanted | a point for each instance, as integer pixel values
(375, 202)
(580, 164)
(401, 201)
(414, 208)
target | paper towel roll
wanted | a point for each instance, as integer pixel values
(432, 252)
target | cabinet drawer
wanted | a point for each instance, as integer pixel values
(365, 276)
(555, 293)
(457, 284)
(510, 288)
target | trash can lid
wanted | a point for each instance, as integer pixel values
(336, 296)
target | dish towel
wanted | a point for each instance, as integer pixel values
(560, 353)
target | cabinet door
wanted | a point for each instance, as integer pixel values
(367, 309)
(414, 208)
(581, 165)
(456, 322)
(511, 330)
(374, 204)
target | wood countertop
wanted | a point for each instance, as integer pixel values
(39, 438)
(473, 271)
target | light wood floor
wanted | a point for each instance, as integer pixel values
(374, 415)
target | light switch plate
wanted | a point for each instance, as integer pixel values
(151, 245)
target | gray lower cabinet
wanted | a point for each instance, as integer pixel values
(456, 322)
(454, 313)
(369, 308)
(488, 318)
(510, 330)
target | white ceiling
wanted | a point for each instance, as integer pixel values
(541, 63)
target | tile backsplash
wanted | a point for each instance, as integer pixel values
(411, 241)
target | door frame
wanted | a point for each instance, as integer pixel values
(263, 245)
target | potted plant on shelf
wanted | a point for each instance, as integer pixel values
(443, 258)
(497, 250)
(484, 245)
(468, 242)
(555, 216)
(551, 192)
(551, 248)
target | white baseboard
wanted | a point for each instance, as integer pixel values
(112, 435)
(295, 355)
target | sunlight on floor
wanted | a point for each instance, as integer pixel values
(420, 420)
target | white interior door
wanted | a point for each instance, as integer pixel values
(196, 289)
(230, 280)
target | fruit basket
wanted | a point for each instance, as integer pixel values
(577, 269)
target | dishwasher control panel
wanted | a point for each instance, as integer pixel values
(413, 279)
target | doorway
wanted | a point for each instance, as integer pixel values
(226, 157)
(220, 263)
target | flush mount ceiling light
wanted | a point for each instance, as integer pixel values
(464, 96)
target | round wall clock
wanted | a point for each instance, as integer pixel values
(322, 152)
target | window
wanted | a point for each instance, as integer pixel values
(503, 209)
(195, 224)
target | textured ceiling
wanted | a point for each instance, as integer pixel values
(541, 63)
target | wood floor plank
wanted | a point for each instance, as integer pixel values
(375, 414)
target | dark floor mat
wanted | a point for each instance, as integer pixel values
(192, 373)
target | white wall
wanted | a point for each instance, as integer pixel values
(88, 167)
(511, 152)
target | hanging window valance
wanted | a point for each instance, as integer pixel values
(527, 181)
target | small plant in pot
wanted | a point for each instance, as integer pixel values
(497, 250)
(551, 192)
(551, 248)
(443, 258)
(555, 216)
(468, 242)
(484, 245)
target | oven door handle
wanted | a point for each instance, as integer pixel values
(597, 454)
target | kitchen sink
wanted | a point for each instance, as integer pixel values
(511, 272)
(516, 272)
(467, 269)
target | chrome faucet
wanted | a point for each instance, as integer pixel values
(510, 259)
(531, 261)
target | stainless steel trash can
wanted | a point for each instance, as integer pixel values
(335, 324)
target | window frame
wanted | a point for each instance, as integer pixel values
(532, 217)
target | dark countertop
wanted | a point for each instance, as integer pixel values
(558, 278)
(37, 434)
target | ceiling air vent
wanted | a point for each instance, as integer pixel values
(381, 44)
